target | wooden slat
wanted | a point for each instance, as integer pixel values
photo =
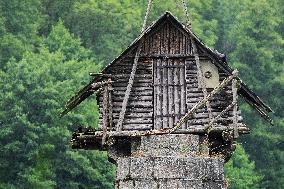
(204, 121)
(163, 42)
(110, 113)
(176, 93)
(105, 114)
(136, 109)
(135, 104)
(235, 109)
(134, 93)
(135, 85)
(167, 38)
(170, 95)
(137, 77)
(135, 121)
(134, 89)
(159, 96)
(133, 98)
(134, 114)
(183, 93)
(155, 95)
(164, 76)
(137, 127)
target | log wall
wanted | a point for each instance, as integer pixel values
(165, 85)
(169, 92)
(139, 111)
(166, 39)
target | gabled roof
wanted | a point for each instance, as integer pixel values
(219, 58)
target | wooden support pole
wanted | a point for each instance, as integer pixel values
(105, 114)
(235, 110)
(135, 133)
(110, 109)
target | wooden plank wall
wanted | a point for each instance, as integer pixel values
(167, 39)
(165, 88)
(139, 112)
(169, 92)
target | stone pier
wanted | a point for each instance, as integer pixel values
(175, 161)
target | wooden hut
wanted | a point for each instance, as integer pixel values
(157, 80)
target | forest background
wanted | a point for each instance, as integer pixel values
(48, 48)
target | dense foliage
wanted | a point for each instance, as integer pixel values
(47, 48)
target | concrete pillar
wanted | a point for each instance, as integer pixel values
(166, 162)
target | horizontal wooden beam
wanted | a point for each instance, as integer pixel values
(100, 74)
(136, 133)
(165, 56)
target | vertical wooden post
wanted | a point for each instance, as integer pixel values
(105, 114)
(235, 109)
(183, 92)
(170, 94)
(110, 89)
(164, 86)
(158, 85)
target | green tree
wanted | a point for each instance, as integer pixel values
(240, 171)
(35, 149)
(19, 24)
(255, 49)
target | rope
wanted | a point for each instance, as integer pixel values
(188, 23)
(133, 71)
(146, 15)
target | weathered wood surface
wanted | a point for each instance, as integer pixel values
(140, 102)
(128, 88)
(169, 92)
(218, 103)
(105, 113)
(219, 116)
(141, 97)
(165, 85)
(235, 109)
(189, 114)
(110, 111)
(191, 130)
(200, 78)
(203, 101)
(167, 39)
